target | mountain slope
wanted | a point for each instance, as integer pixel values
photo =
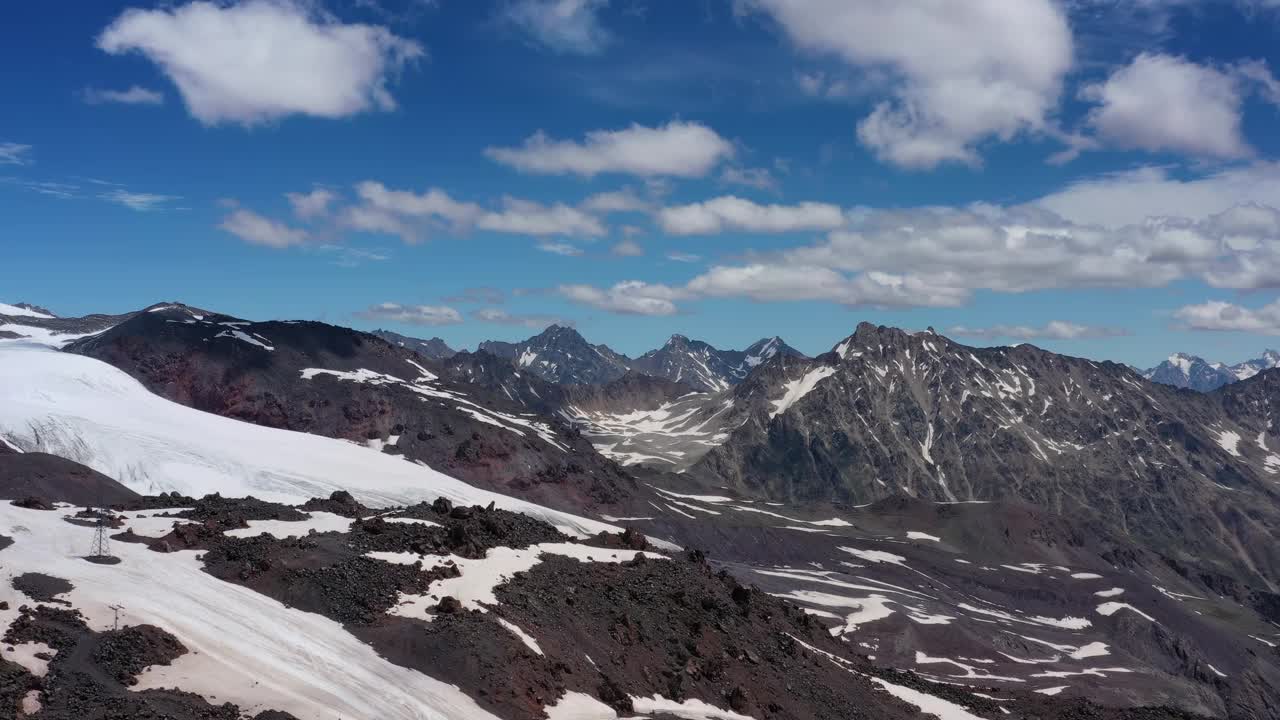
(562, 356)
(340, 383)
(435, 348)
(889, 413)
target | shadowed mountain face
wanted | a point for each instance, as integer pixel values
(337, 382)
(560, 355)
(435, 348)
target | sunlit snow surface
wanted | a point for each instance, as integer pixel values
(244, 647)
(83, 409)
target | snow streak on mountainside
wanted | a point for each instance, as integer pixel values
(88, 411)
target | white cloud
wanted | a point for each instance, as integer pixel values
(135, 95)
(258, 230)
(966, 72)
(259, 60)
(734, 213)
(142, 202)
(12, 153)
(312, 205)
(1218, 315)
(559, 248)
(677, 149)
(683, 257)
(1161, 102)
(758, 178)
(567, 26)
(530, 218)
(1129, 198)
(615, 201)
(433, 315)
(625, 298)
(627, 248)
(502, 317)
(1053, 330)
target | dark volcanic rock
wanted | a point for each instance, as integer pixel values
(339, 503)
(42, 588)
(56, 479)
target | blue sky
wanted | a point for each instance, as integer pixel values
(1094, 176)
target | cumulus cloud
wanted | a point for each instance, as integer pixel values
(1161, 102)
(312, 205)
(939, 257)
(734, 213)
(1129, 198)
(530, 218)
(626, 298)
(502, 317)
(1053, 330)
(410, 215)
(565, 26)
(259, 60)
(135, 95)
(12, 153)
(951, 90)
(677, 149)
(258, 230)
(615, 201)
(1224, 316)
(432, 315)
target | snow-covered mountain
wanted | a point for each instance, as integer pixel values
(707, 368)
(1195, 373)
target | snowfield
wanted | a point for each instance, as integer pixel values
(88, 411)
(244, 647)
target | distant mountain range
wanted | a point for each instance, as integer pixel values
(561, 355)
(1196, 373)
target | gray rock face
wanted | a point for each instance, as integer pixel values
(889, 412)
(560, 355)
(435, 348)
